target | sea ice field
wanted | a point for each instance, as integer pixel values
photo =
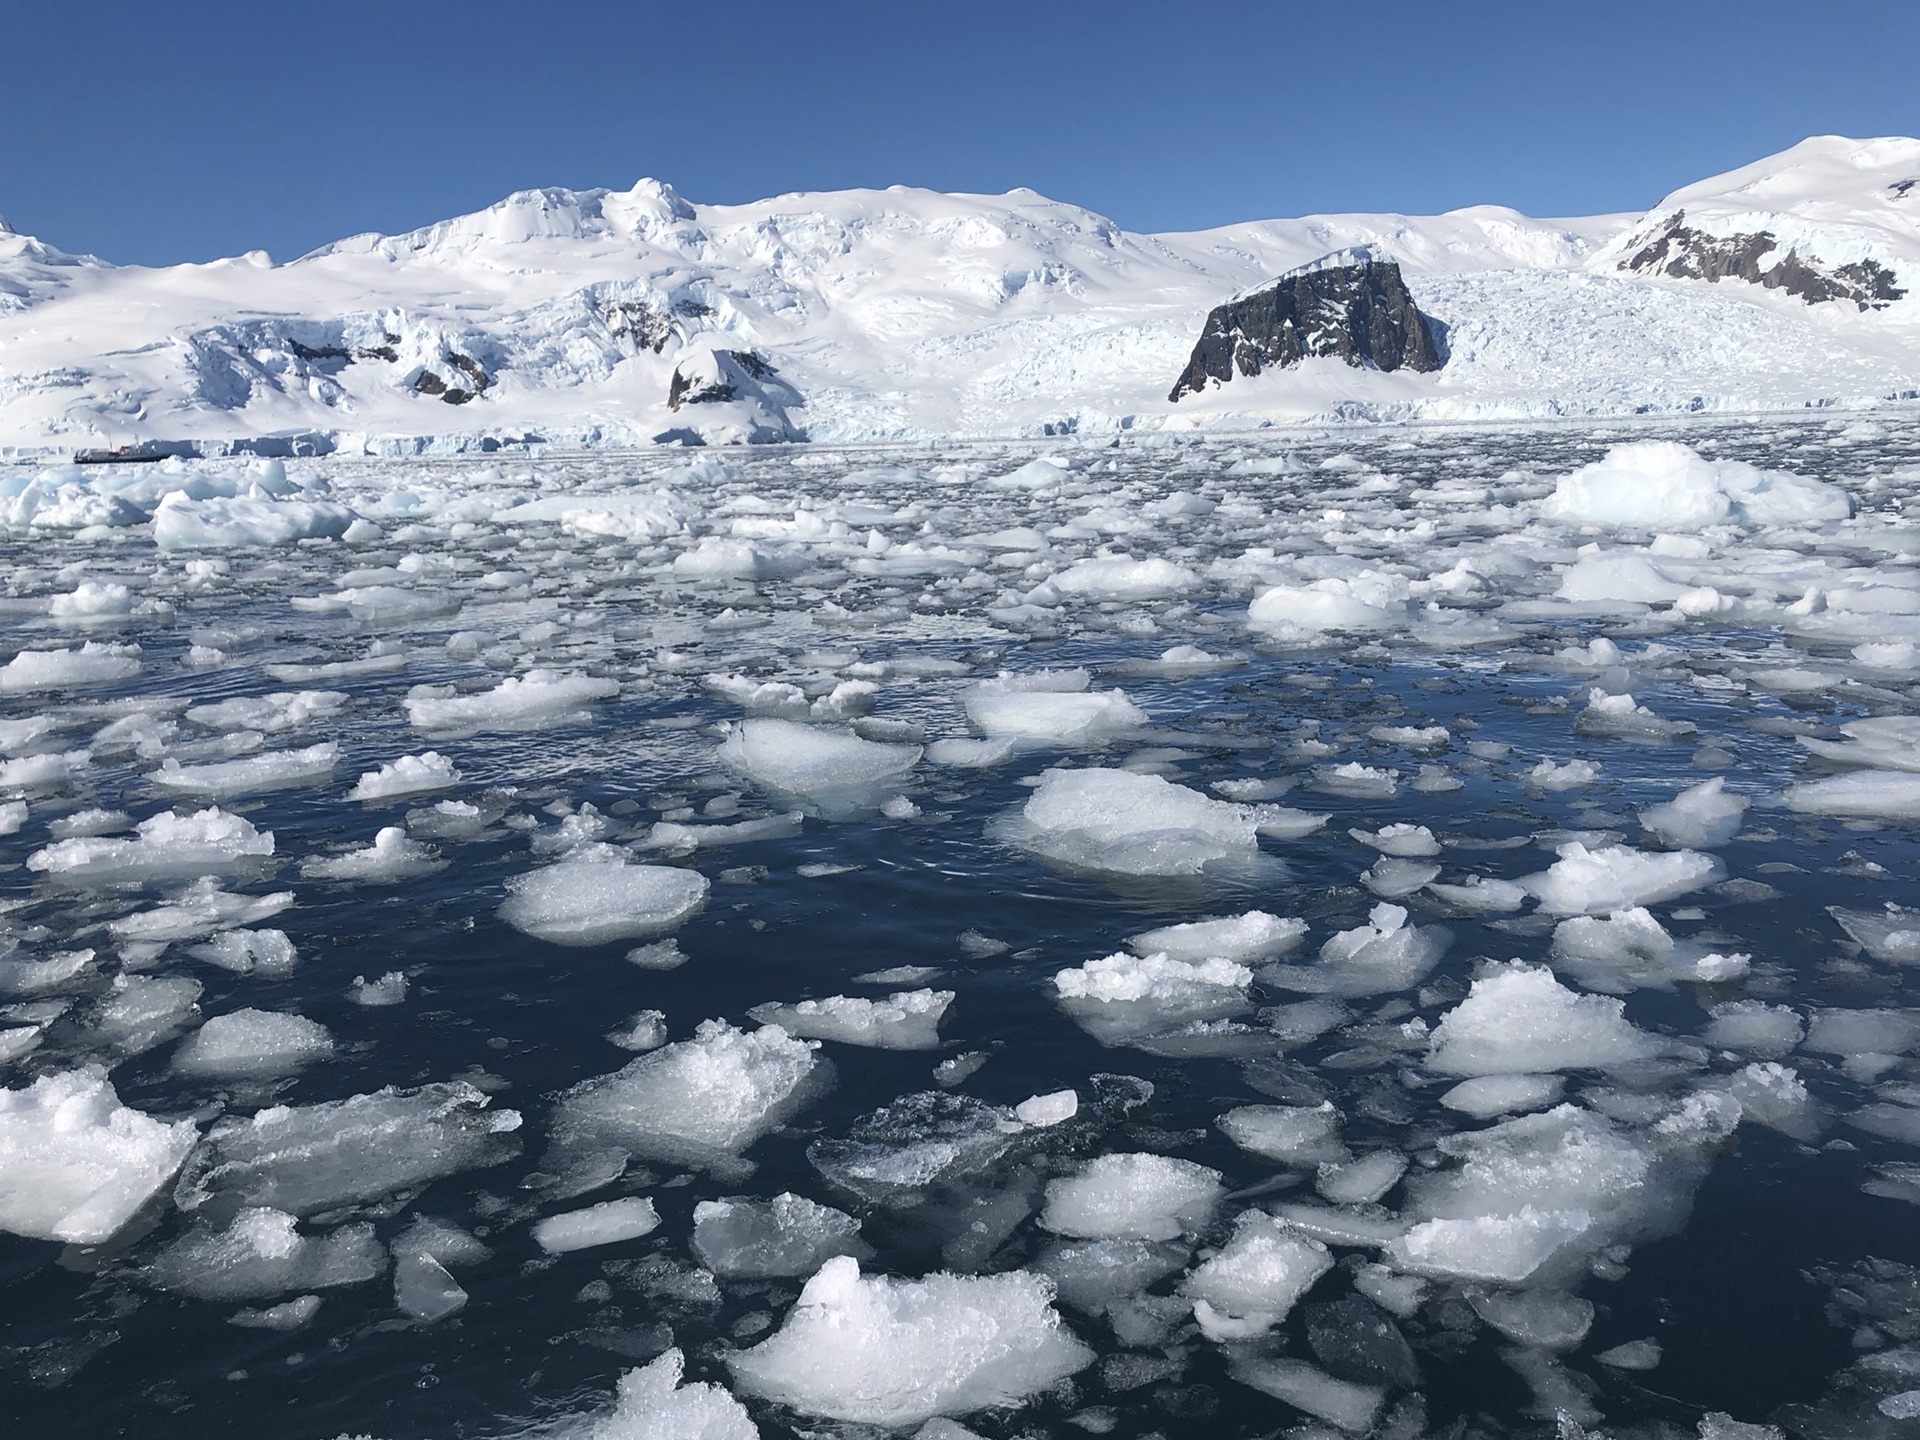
(1395, 931)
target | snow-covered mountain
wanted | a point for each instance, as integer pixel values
(600, 316)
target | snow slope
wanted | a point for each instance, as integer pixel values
(562, 316)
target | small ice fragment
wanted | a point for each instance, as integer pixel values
(1702, 815)
(590, 902)
(1291, 1134)
(1042, 1111)
(1486, 1096)
(260, 1253)
(1569, 776)
(1645, 1355)
(1361, 1181)
(1242, 939)
(644, 1030)
(1614, 877)
(608, 1223)
(1256, 1278)
(391, 858)
(408, 775)
(251, 1043)
(389, 989)
(423, 1288)
(1517, 1019)
(658, 955)
(1341, 1403)
(906, 1020)
(287, 1315)
(769, 1239)
(1132, 1196)
(879, 1351)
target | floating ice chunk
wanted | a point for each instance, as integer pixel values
(1503, 1249)
(37, 977)
(282, 710)
(1370, 600)
(880, 1351)
(260, 1254)
(1256, 1278)
(32, 671)
(700, 1100)
(91, 600)
(1868, 1041)
(221, 522)
(274, 770)
(1135, 1196)
(652, 1404)
(13, 814)
(424, 1288)
(1517, 1019)
(905, 1020)
(1390, 878)
(390, 859)
(1617, 578)
(1615, 877)
(389, 989)
(1880, 742)
(163, 846)
(1341, 1403)
(1892, 935)
(253, 1043)
(812, 760)
(1481, 896)
(310, 1158)
(1406, 841)
(1356, 781)
(1653, 484)
(1486, 1096)
(1361, 1181)
(1546, 1319)
(1645, 1355)
(1859, 795)
(52, 770)
(1124, 998)
(894, 1155)
(719, 557)
(1038, 474)
(141, 1011)
(1042, 1112)
(1701, 815)
(607, 1223)
(1383, 955)
(1115, 577)
(1051, 717)
(681, 839)
(1756, 1027)
(1400, 1295)
(408, 775)
(76, 1164)
(1621, 717)
(1119, 822)
(199, 910)
(590, 902)
(1242, 939)
(1291, 1134)
(970, 754)
(1570, 776)
(288, 1315)
(519, 702)
(769, 1239)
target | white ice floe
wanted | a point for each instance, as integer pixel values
(768, 1239)
(270, 714)
(1346, 1405)
(1124, 999)
(165, 846)
(1518, 1020)
(653, 1404)
(273, 770)
(311, 1158)
(1243, 939)
(1664, 485)
(1702, 815)
(905, 1020)
(815, 761)
(1385, 954)
(1755, 1027)
(76, 1164)
(1256, 1278)
(261, 1253)
(592, 902)
(699, 1100)
(407, 775)
(1291, 1134)
(391, 858)
(1859, 795)
(250, 1043)
(1368, 600)
(221, 522)
(1136, 1196)
(1891, 934)
(880, 1351)
(1035, 710)
(608, 1223)
(32, 671)
(1116, 577)
(1124, 823)
(1616, 877)
(519, 702)
(1486, 1096)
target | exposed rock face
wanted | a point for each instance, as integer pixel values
(1685, 253)
(1349, 305)
(709, 376)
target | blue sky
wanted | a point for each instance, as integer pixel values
(187, 129)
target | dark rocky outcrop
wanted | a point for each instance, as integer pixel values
(711, 376)
(1349, 306)
(1685, 253)
(479, 381)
